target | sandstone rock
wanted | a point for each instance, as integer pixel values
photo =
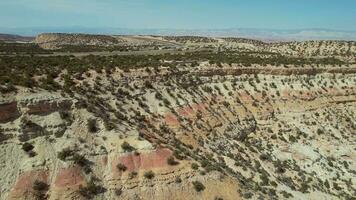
(9, 112)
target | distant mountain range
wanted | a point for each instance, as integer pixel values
(15, 38)
(262, 34)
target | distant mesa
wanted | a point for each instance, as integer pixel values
(14, 38)
(56, 40)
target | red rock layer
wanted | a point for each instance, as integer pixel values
(143, 161)
(48, 107)
(23, 187)
(69, 178)
(9, 112)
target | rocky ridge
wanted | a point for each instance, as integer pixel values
(56, 40)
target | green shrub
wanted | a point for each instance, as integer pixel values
(195, 166)
(132, 175)
(198, 186)
(127, 147)
(31, 153)
(62, 155)
(319, 131)
(91, 190)
(248, 195)
(80, 160)
(172, 161)
(149, 175)
(40, 189)
(65, 115)
(178, 179)
(264, 157)
(27, 147)
(118, 191)
(121, 167)
(39, 186)
(92, 126)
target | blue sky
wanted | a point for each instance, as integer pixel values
(180, 14)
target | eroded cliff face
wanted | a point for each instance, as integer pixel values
(8, 112)
(225, 133)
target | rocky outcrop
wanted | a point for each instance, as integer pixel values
(47, 107)
(9, 112)
(143, 161)
(68, 179)
(24, 186)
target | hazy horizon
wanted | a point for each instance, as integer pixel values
(252, 33)
(273, 19)
(183, 14)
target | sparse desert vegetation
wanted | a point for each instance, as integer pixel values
(106, 117)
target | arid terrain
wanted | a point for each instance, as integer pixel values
(181, 118)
